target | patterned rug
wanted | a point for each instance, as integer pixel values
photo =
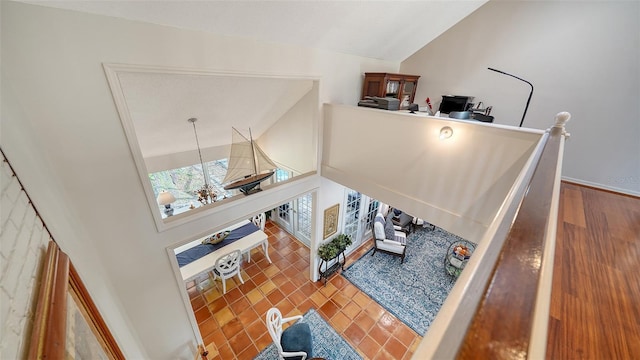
(413, 291)
(327, 343)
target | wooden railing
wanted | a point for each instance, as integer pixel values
(501, 301)
(503, 323)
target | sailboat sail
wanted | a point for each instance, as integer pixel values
(263, 163)
(246, 158)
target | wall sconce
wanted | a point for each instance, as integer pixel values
(446, 132)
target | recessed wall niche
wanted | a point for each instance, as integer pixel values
(154, 103)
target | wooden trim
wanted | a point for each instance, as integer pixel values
(49, 331)
(503, 321)
(49, 335)
(93, 315)
(601, 189)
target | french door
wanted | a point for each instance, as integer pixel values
(302, 218)
(295, 218)
(359, 212)
(284, 216)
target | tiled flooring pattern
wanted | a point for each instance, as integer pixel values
(233, 325)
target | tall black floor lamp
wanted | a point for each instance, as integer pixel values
(530, 94)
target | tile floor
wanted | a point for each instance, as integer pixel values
(233, 326)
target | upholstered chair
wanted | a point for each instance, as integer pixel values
(384, 209)
(387, 239)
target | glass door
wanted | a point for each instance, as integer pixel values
(302, 219)
(366, 221)
(360, 210)
(295, 218)
(284, 216)
(408, 89)
(351, 217)
(393, 87)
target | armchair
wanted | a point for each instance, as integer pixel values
(395, 244)
(295, 341)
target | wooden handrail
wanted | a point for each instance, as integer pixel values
(502, 325)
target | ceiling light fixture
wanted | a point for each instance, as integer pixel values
(446, 132)
(206, 195)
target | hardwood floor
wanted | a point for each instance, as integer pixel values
(595, 301)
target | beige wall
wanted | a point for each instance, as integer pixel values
(582, 57)
(457, 184)
(61, 130)
(292, 140)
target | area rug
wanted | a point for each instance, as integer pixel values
(413, 291)
(327, 343)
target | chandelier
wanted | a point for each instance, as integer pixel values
(206, 195)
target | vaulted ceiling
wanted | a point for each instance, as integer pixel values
(160, 104)
(386, 30)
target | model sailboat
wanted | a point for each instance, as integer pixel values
(248, 165)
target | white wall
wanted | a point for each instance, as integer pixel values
(331, 193)
(62, 132)
(292, 140)
(582, 57)
(457, 184)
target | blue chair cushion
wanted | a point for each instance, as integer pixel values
(297, 337)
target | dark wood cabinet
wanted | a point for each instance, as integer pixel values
(399, 86)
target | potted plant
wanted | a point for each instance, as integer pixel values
(332, 250)
(335, 247)
(267, 214)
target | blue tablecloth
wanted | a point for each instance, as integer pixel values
(200, 250)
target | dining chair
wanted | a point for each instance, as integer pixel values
(227, 266)
(259, 220)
